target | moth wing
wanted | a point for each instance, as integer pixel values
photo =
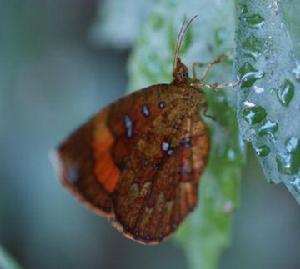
(87, 165)
(139, 160)
(157, 191)
(75, 162)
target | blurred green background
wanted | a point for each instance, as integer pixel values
(55, 71)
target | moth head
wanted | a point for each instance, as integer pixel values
(181, 72)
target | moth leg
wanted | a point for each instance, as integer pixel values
(210, 64)
(207, 69)
(195, 66)
(201, 85)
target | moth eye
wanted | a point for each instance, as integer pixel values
(184, 75)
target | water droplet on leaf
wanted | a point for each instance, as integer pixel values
(289, 161)
(269, 128)
(253, 46)
(255, 21)
(296, 184)
(285, 92)
(249, 75)
(258, 89)
(244, 9)
(262, 151)
(296, 71)
(254, 115)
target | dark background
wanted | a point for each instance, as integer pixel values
(52, 78)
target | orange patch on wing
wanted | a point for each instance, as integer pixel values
(106, 171)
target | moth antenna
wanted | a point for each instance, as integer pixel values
(185, 25)
(177, 46)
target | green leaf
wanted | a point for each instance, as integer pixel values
(206, 232)
(269, 105)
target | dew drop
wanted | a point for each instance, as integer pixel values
(296, 71)
(284, 163)
(296, 184)
(262, 151)
(288, 162)
(248, 104)
(253, 46)
(291, 144)
(285, 92)
(254, 115)
(255, 21)
(258, 89)
(249, 75)
(244, 9)
(269, 128)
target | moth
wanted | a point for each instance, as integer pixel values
(138, 161)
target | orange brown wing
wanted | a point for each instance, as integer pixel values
(139, 160)
(75, 162)
(85, 161)
(151, 200)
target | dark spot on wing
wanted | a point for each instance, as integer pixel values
(128, 125)
(161, 104)
(186, 142)
(145, 110)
